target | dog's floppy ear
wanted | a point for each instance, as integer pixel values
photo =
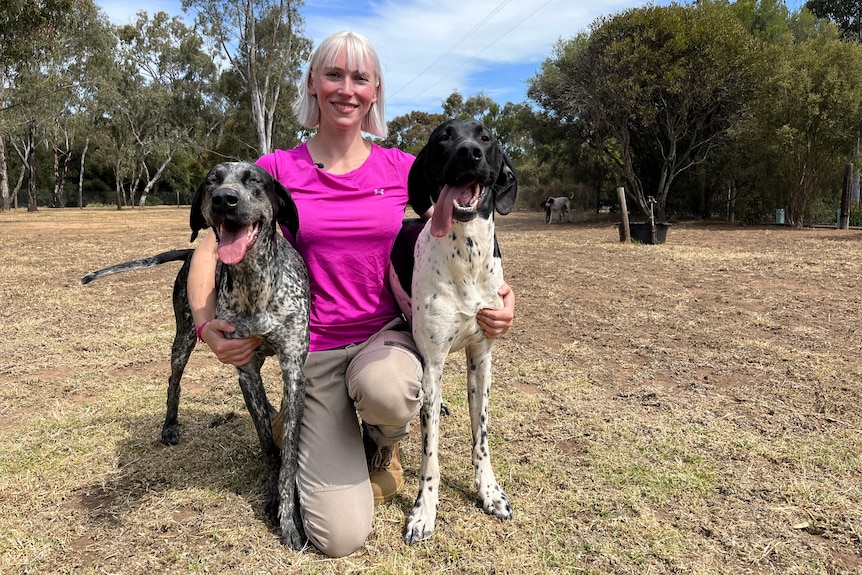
(286, 213)
(421, 192)
(196, 218)
(505, 187)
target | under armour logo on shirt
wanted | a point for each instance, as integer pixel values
(378, 191)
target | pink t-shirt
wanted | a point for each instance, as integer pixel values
(347, 225)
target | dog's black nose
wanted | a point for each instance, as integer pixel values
(224, 198)
(469, 151)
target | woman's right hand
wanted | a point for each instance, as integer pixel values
(236, 352)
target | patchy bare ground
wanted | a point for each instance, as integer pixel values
(691, 407)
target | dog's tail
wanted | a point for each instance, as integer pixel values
(162, 258)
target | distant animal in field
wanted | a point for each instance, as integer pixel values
(556, 207)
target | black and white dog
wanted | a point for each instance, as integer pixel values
(262, 288)
(555, 207)
(456, 271)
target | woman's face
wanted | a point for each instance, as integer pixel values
(344, 96)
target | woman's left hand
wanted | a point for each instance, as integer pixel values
(496, 322)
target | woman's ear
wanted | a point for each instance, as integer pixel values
(310, 83)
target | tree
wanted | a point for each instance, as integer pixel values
(766, 20)
(260, 40)
(410, 132)
(29, 30)
(160, 101)
(80, 55)
(847, 15)
(657, 89)
(808, 115)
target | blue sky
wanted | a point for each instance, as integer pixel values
(430, 48)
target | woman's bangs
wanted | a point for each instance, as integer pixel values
(357, 60)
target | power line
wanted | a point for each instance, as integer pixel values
(452, 48)
(474, 56)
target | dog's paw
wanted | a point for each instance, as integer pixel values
(419, 526)
(271, 509)
(171, 434)
(496, 503)
(293, 536)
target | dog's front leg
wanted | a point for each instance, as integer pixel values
(290, 520)
(494, 501)
(420, 523)
(258, 407)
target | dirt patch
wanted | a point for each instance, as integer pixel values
(690, 407)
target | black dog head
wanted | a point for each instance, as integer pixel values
(240, 201)
(463, 173)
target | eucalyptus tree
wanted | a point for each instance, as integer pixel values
(656, 89)
(511, 123)
(80, 57)
(261, 41)
(161, 100)
(235, 136)
(29, 30)
(410, 132)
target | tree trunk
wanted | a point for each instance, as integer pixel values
(4, 176)
(81, 174)
(844, 214)
(56, 200)
(19, 184)
(152, 181)
(118, 185)
(64, 174)
(31, 166)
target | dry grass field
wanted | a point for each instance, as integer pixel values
(691, 407)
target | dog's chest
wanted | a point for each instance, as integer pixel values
(456, 276)
(264, 299)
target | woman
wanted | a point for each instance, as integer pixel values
(351, 195)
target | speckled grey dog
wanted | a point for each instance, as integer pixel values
(454, 270)
(262, 288)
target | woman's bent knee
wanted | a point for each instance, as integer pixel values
(338, 520)
(385, 381)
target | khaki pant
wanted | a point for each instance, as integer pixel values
(381, 380)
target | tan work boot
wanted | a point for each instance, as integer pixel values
(384, 469)
(277, 421)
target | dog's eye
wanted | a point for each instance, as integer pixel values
(251, 177)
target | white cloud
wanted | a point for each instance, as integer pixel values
(429, 48)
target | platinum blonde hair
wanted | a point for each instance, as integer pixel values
(361, 56)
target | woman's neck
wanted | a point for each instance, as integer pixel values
(338, 151)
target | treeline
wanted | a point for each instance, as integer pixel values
(714, 109)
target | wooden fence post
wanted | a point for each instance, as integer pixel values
(844, 216)
(626, 235)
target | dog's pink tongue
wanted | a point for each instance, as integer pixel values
(233, 243)
(441, 219)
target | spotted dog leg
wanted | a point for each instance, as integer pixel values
(420, 523)
(494, 501)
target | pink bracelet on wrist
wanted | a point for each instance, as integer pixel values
(199, 329)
